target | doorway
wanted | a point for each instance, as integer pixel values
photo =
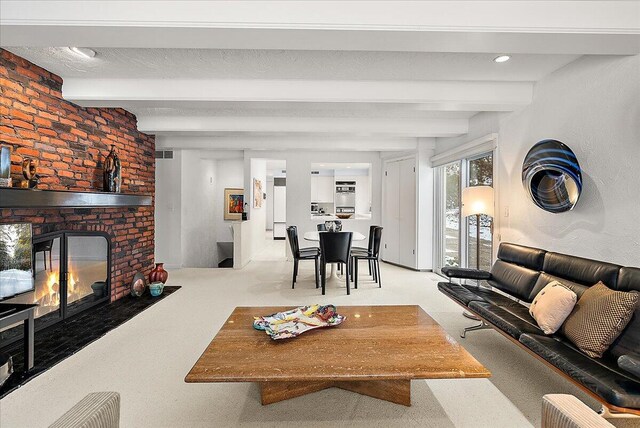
(276, 201)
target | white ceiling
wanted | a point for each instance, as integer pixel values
(118, 63)
(282, 75)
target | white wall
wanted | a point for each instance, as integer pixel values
(229, 173)
(269, 204)
(593, 106)
(168, 211)
(425, 204)
(255, 168)
(481, 124)
(198, 240)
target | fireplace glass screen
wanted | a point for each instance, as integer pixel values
(86, 271)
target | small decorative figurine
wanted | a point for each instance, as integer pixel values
(112, 172)
(29, 171)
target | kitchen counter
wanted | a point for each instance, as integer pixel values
(327, 217)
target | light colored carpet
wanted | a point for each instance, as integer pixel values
(147, 358)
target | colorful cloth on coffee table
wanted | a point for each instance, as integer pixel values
(288, 324)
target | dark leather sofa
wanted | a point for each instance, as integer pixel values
(516, 277)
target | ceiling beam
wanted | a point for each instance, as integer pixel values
(280, 143)
(570, 27)
(307, 125)
(443, 95)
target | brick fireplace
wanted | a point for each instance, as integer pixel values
(71, 143)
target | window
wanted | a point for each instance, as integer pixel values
(480, 173)
(452, 215)
(456, 238)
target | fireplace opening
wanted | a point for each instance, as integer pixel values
(71, 273)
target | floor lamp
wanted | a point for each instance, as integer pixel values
(477, 200)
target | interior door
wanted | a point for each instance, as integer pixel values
(407, 212)
(391, 232)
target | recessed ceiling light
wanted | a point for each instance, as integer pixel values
(83, 52)
(502, 58)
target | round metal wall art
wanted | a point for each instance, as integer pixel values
(551, 174)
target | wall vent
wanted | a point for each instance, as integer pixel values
(315, 172)
(164, 154)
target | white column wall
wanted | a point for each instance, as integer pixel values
(168, 211)
(198, 240)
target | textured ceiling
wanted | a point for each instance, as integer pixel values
(295, 109)
(415, 107)
(282, 64)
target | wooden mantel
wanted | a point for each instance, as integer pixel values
(34, 198)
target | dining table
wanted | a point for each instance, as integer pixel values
(314, 236)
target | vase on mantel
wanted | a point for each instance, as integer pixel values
(158, 274)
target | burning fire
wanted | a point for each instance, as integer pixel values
(50, 294)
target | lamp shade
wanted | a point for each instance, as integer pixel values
(477, 200)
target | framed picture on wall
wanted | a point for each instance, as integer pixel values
(234, 203)
(257, 193)
(5, 165)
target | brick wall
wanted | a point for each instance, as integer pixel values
(71, 143)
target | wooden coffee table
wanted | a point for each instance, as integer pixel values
(376, 351)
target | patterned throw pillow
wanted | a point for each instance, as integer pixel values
(552, 305)
(598, 318)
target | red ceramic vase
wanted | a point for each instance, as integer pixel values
(158, 274)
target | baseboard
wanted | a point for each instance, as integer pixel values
(407, 267)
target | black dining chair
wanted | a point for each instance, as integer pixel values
(321, 227)
(310, 253)
(335, 247)
(368, 249)
(373, 257)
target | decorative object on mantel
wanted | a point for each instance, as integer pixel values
(288, 324)
(156, 288)
(234, 203)
(244, 211)
(29, 171)
(112, 178)
(5, 165)
(552, 176)
(158, 274)
(257, 193)
(138, 284)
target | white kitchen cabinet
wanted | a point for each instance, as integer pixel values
(326, 189)
(322, 188)
(399, 222)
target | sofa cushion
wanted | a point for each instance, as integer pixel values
(628, 343)
(613, 386)
(552, 306)
(515, 280)
(583, 271)
(599, 318)
(529, 257)
(466, 294)
(628, 279)
(506, 321)
(546, 278)
(458, 292)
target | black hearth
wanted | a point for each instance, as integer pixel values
(72, 273)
